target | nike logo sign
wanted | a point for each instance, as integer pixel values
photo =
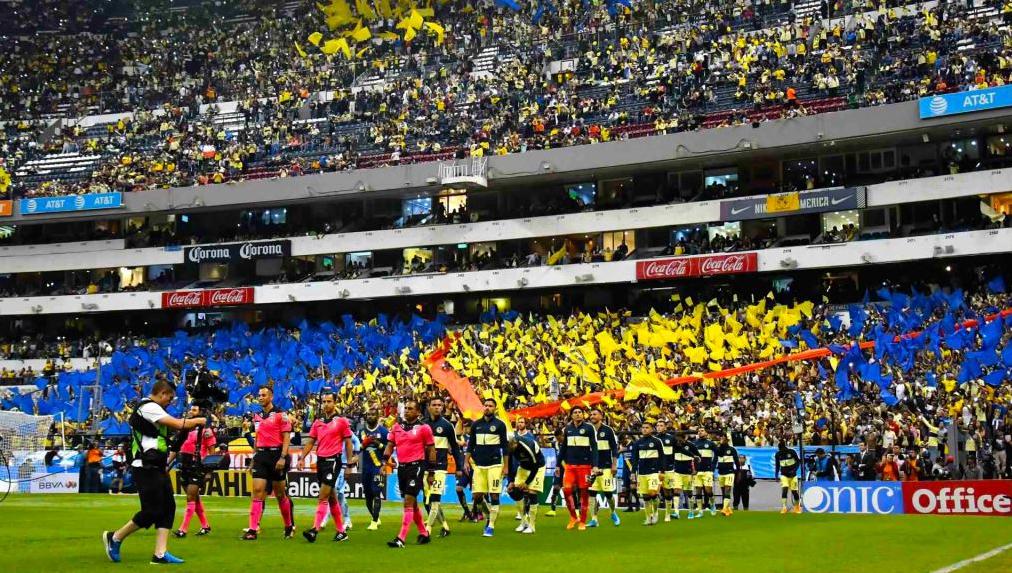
(742, 210)
(841, 200)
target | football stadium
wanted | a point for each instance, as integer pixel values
(506, 285)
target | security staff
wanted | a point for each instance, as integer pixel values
(149, 426)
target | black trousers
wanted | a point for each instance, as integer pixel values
(158, 507)
(741, 495)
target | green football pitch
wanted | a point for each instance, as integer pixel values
(62, 533)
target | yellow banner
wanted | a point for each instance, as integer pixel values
(783, 202)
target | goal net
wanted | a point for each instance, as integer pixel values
(22, 448)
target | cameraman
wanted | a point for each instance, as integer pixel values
(150, 425)
(192, 472)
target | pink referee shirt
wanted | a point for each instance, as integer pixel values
(206, 445)
(410, 443)
(329, 436)
(270, 429)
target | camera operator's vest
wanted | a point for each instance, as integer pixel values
(156, 457)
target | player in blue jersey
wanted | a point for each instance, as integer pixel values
(445, 438)
(488, 461)
(603, 486)
(646, 461)
(702, 482)
(374, 441)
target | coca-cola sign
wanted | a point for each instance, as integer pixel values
(234, 252)
(728, 264)
(208, 298)
(182, 299)
(706, 265)
(666, 269)
(228, 296)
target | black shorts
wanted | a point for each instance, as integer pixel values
(409, 478)
(190, 472)
(158, 506)
(374, 482)
(328, 470)
(264, 465)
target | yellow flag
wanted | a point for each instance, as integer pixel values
(384, 9)
(298, 50)
(365, 10)
(410, 34)
(315, 38)
(437, 30)
(645, 382)
(361, 33)
(606, 343)
(330, 47)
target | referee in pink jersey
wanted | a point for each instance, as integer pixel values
(330, 435)
(414, 445)
(270, 464)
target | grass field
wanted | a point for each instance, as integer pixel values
(62, 533)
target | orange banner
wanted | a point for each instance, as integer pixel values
(6, 208)
(460, 388)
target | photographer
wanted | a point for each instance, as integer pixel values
(150, 425)
(192, 472)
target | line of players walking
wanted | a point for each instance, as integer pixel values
(664, 465)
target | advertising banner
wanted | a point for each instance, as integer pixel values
(984, 497)
(238, 252)
(710, 265)
(208, 297)
(814, 201)
(70, 203)
(880, 497)
(6, 208)
(965, 102)
(699, 266)
(54, 483)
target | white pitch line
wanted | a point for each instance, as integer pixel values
(974, 559)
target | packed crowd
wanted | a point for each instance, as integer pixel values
(900, 396)
(655, 68)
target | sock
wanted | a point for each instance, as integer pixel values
(571, 504)
(708, 499)
(584, 504)
(256, 511)
(202, 516)
(191, 508)
(794, 496)
(592, 509)
(284, 504)
(342, 501)
(532, 512)
(322, 508)
(493, 513)
(419, 522)
(369, 505)
(555, 494)
(442, 518)
(337, 514)
(406, 519)
(648, 508)
(463, 503)
(433, 514)
(676, 505)
(377, 506)
(613, 503)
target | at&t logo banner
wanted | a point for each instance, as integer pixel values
(854, 497)
(70, 203)
(965, 102)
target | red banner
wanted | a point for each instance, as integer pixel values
(660, 269)
(728, 264)
(984, 497)
(207, 298)
(702, 266)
